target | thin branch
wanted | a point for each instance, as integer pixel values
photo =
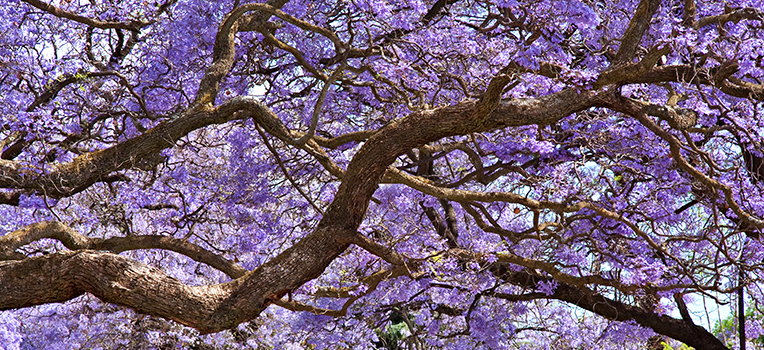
(640, 111)
(58, 12)
(320, 104)
(286, 172)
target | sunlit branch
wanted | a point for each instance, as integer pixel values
(75, 241)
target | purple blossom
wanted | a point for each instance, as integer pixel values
(547, 287)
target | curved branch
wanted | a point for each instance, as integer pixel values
(686, 332)
(335, 142)
(253, 23)
(112, 278)
(248, 107)
(732, 16)
(640, 111)
(372, 160)
(426, 186)
(622, 74)
(75, 241)
(116, 279)
(223, 52)
(58, 12)
(582, 281)
(62, 276)
(64, 179)
(719, 77)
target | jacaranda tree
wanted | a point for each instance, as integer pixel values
(567, 174)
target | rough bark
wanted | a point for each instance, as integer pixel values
(638, 25)
(113, 278)
(64, 276)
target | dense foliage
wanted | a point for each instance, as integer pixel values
(510, 174)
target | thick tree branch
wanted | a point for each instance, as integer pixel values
(719, 77)
(387, 254)
(116, 245)
(622, 74)
(636, 30)
(681, 330)
(716, 77)
(119, 280)
(734, 16)
(576, 292)
(64, 179)
(112, 278)
(218, 307)
(371, 161)
(223, 52)
(75, 241)
(335, 142)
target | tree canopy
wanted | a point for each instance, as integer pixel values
(510, 174)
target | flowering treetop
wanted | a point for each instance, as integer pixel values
(498, 174)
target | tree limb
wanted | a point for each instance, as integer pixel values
(636, 30)
(58, 12)
(75, 241)
(733, 16)
(686, 332)
(113, 278)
